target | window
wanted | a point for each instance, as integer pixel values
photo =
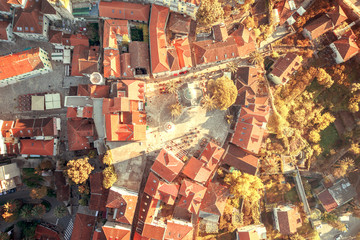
(232, 54)
(31, 28)
(26, 29)
(113, 11)
(132, 13)
(119, 11)
(225, 55)
(19, 28)
(244, 128)
(216, 57)
(40, 17)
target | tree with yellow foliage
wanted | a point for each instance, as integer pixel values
(109, 177)
(209, 12)
(38, 193)
(79, 170)
(224, 92)
(324, 78)
(10, 210)
(107, 159)
(314, 136)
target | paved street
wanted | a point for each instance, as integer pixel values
(327, 232)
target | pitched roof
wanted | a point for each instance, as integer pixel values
(124, 10)
(286, 65)
(43, 233)
(220, 32)
(125, 203)
(89, 63)
(179, 23)
(327, 200)
(241, 160)
(47, 8)
(289, 220)
(319, 26)
(83, 226)
(4, 6)
(284, 10)
(3, 27)
(116, 231)
(37, 147)
(93, 91)
(167, 165)
(98, 194)
(125, 66)
(55, 36)
(34, 127)
(78, 132)
(192, 195)
(178, 230)
(152, 231)
(112, 29)
(111, 63)
(183, 52)
(134, 89)
(215, 199)
(20, 63)
(337, 15)
(158, 189)
(347, 46)
(117, 131)
(158, 44)
(28, 22)
(252, 232)
(139, 52)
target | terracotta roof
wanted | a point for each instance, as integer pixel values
(15, 2)
(178, 230)
(111, 63)
(78, 39)
(78, 132)
(116, 232)
(124, 10)
(28, 22)
(284, 10)
(158, 189)
(158, 43)
(84, 60)
(251, 235)
(44, 233)
(179, 23)
(241, 160)
(20, 63)
(63, 193)
(81, 112)
(93, 91)
(285, 66)
(327, 200)
(167, 165)
(319, 26)
(4, 6)
(183, 51)
(215, 199)
(125, 204)
(112, 29)
(139, 52)
(194, 2)
(34, 127)
(117, 131)
(289, 220)
(3, 27)
(251, 232)
(98, 194)
(37, 147)
(55, 36)
(83, 226)
(347, 46)
(173, 60)
(5, 128)
(135, 89)
(337, 15)
(46, 8)
(99, 235)
(192, 195)
(153, 231)
(125, 66)
(220, 32)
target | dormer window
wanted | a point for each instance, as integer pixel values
(19, 28)
(113, 11)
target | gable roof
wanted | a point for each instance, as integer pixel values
(158, 189)
(98, 194)
(4, 6)
(3, 26)
(84, 60)
(37, 147)
(192, 195)
(327, 200)
(183, 51)
(111, 63)
(286, 65)
(83, 226)
(241, 160)
(34, 127)
(319, 26)
(215, 199)
(179, 23)
(139, 52)
(177, 230)
(116, 231)
(93, 91)
(28, 22)
(117, 131)
(125, 66)
(112, 29)
(220, 32)
(252, 232)
(289, 219)
(46, 8)
(337, 15)
(347, 46)
(124, 10)
(78, 131)
(152, 231)
(42, 233)
(167, 165)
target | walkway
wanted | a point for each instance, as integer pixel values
(301, 191)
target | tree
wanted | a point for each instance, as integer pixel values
(79, 170)
(60, 211)
(256, 58)
(109, 177)
(208, 102)
(209, 12)
(232, 66)
(171, 87)
(314, 136)
(175, 110)
(324, 78)
(10, 210)
(46, 165)
(38, 211)
(317, 149)
(223, 91)
(343, 167)
(4, 236)
(25, 211)
(38, 193)
(31, 178)
(354, 148)
(107, 159)
(244, 186)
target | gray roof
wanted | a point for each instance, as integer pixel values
(342, 191)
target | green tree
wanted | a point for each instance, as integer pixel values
(109, 177)
(38, 211)
(257, 58)
(223, 91)
(79, 170)
(60, 211)
(175, 110)
(25, 211)
(324, 78)
(209, 12)
(31, 178)
(232, 66)
(208, 102)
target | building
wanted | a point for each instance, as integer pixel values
(80, 134)
(17, 3)
(160, 190)
(241, 160)
(9, 177)
(116, 231)
(284, 67)
(336, 195)
(179, 24)
(284, 11)
(124, 10)
(192, 195)
(85, 60)
(45, 127)
(5, 8)
(324, 23)
(83, 226)
(345, 47)
(98, 194)
(247, 84)
(49, 11)
(46, 232)
(251, 232)
(111, 63)
(19, 66)
(188, 7)
(62, 186)
(167, 165)
(62, 7)
(6, 32)
(35, 148)
(179, 229)
(286, 219)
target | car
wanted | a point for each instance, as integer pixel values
(338, 237)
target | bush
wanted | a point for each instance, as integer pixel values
(31, 179)
(47, 205)
(38, 211)
(60, 211)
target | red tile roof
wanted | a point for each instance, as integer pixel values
(134, 89)
(124, 10)
(153, 231)
(167, 165)
(125, 204)
(81, 112)
(179, 23)
(5, 128)
(93, 91)
(158, 44)
(116, 233)
(117, 131)
(98, 194)
(47, 8)
(112, 29)
(192, 195)
(139, 55)
(337, 15)
(178, 230)
(78, 132)
(20, 63)
(84, 60)
(83, 226)
(289, 220)
(111, 63)
(183, 51)
(99, 235)
(327, 200)
(220, 32)
(44, 233)
(4, 6)
(215, 199)
(34, 127)
(241, 160)
(28, 22)
(37, 147)
(347, 46)
(125, 66)
(284, 11)
(285, 66)
(3, 27)
(158, 189)
(78, 39)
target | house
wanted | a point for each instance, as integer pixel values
(214, 202)
(116, 231)
(5, 8)
(188, 7)
(324, 23)
(19, 66)
(85, 60)
(49, 11)
(9, 177)
(247, 84)
(336, 195)
(111, 63)
(159, 189)
(167, 165)
(154, 231)
(139, 58)
(241, 160)
(83, 226)
(286, 219)
(201, 169)
(179, 230)
(251, 232)
(9, 145)
(6, 32)
(34, 147)
(284, 67)
(45, 127)
(80, 133)
(93, 91)
(62, 187)
(63, 8)
(17, 3)
(283, 11)
(147, 212)
(240, 43)
(179, 24)
(192, 195)
(114, 31)
(345, 47)
(98, 194)
(45, 232)
(124, 10)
